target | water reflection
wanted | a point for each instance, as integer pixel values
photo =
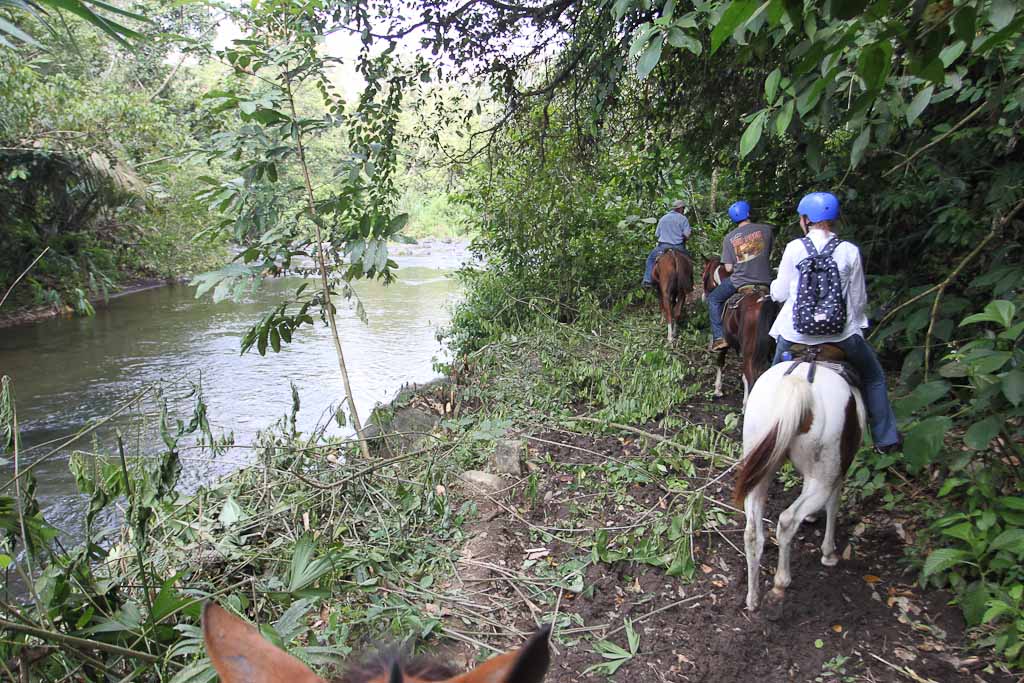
(69, 373)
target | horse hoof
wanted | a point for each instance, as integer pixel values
(830, 560)
(773, 607)
(811, 519)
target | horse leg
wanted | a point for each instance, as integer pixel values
(813, 497)
(753, 540)
(720, 361)
(828, 546)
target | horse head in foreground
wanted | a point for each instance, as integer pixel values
(811, 414)
(673, 281)
(746, 320)
(241, 655)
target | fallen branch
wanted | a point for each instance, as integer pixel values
(650, 614)
(76, 642)
(645, 434)
(23, 274)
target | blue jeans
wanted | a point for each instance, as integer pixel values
(876, 395)
(658, 251)
(716, 302)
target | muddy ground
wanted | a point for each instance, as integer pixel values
(865, 620)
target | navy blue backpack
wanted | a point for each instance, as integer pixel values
(820, 308)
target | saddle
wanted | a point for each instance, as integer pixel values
(734, 301)
(827, 355)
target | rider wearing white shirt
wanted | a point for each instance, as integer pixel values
(818, 211)
(847, 257)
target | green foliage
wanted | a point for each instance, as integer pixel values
(262, 542)
(90, 163)
(977, 550)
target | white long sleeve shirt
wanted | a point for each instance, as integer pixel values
(851, 272)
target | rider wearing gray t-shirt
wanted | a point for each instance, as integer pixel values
(746, 249)
(745, 253)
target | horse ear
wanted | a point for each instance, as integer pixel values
(528, 664)
(241, 655)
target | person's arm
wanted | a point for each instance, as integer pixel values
(686, 228)
(728, 254)
(857, 290)
(787, 271)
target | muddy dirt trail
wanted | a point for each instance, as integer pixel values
(864, 620)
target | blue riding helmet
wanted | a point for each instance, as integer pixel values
(819, 206)
(740, 211)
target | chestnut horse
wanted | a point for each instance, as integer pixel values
(241, 655)
(673, 281)
(746, 324)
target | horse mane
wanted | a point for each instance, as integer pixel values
(710, 266)
(381, 660)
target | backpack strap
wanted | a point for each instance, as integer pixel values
(830, 247)
(809, 246)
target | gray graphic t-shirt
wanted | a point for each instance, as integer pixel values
(747, 249)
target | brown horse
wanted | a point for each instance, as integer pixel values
(241, 655)
(746, 322)
(673, 281)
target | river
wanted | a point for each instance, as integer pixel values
(70, 373)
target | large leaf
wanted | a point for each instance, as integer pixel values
(981, 433)
(874, 64)
(1013, 386)
(808, 99)
(1011, 539)
(677, 37)
(923, 395)
(925, 440)
(942, 559)
(918, 104)
(771, 85)
(737, 13)
(963, 23)
(305, 570)
(847, 9)
(650, 57)
(860, 145)
(752, 135)
(118, 32)
(784, 117)
(1001, 13)
(10, 29)
(999, 311)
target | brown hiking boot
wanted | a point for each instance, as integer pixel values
(719, 345)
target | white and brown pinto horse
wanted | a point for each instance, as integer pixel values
(810, 414)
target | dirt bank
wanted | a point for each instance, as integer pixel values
(27, 316)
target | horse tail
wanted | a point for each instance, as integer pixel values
(791, 414)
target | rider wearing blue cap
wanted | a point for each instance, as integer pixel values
(745, 255)
(672, 232)
(818, 212)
